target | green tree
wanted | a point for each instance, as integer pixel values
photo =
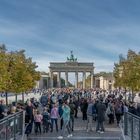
(18, 73)
(127, 72)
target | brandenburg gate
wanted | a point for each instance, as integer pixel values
(71, 65)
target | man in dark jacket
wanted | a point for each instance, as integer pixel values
(84, 106)
(132, 108)
(29, 117)
(101, 109)
(72, 111)
(60, 111)
(76, 103)
(2, 108)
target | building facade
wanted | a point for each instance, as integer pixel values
(44, 82)
(104, 81)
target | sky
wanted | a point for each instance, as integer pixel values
(97, 31)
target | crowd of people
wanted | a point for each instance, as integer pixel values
(60, 107)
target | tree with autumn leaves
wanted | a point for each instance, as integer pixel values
(127, 72)
(17, 73)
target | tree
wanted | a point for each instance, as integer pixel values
(5, 66)
(17, 72)
(127, 72)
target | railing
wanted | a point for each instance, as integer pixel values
(132, 126)
(12, 126)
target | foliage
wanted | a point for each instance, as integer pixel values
(127, 71)
(104, 74)
(17, 73)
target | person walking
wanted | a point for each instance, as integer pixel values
(66, 119)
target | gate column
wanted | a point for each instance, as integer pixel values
(66, 77)
(84, 80)
(76, 78)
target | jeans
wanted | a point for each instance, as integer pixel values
(61, 123)
(65, 125)
(100, 126)
(84, 115)
(71, 122)
(76, 111)
(89, 122)
(54, 120)
(111, 118)
(37, 126)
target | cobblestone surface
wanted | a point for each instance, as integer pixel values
(112, 132)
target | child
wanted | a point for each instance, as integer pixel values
(46, 121)
(38, 119)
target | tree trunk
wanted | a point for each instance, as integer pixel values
(6, 96)
(16, 97)
(125, 94)
(23, 98)
(132, 95)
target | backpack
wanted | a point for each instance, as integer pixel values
(119, 110)
(72, 109)
(46, 117)
(108, 111)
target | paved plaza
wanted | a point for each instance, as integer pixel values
(112, 132)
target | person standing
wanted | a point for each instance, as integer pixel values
(29, 117)
(91, 111)
(76, 103)
(2, 109)
(54, 116)
(110, 112)
(84, 106)
(38, 119)
(118, 111)
(60, 111)
(46, 120)
(72, 111)
(101, 110)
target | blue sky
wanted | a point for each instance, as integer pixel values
(96, 30)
